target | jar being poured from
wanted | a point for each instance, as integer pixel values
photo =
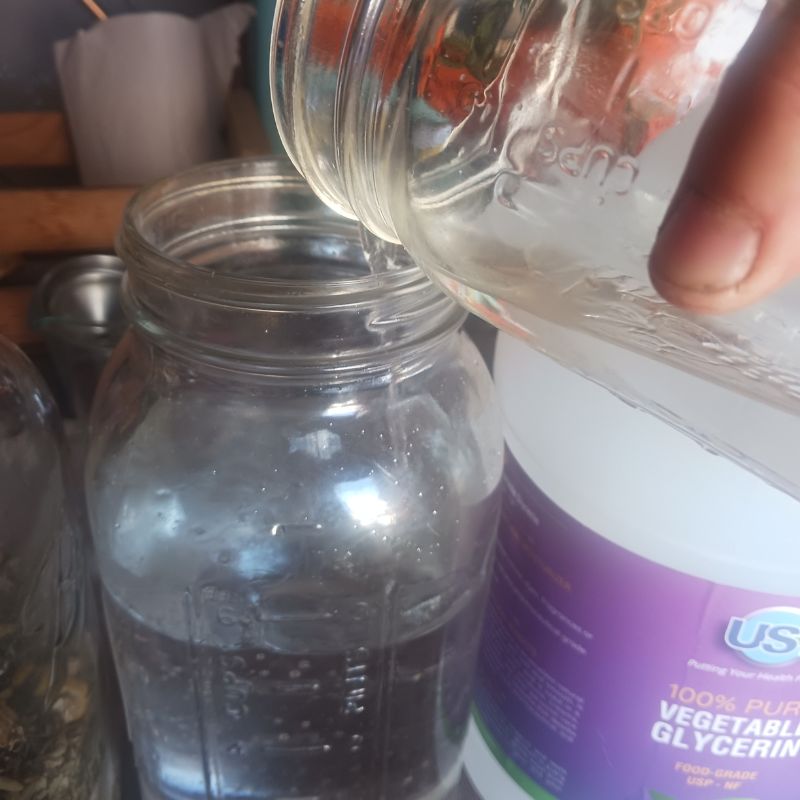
(525, 152)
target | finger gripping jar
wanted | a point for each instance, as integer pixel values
(525, 154)
(293, 489)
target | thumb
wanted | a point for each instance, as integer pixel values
(732, 234)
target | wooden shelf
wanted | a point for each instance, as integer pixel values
(14, 302)
(64, 220)
(58, 220)
(34, 140)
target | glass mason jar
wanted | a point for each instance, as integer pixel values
(525, 153)
(53, 741)
(293, 483)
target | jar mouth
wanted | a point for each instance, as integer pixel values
(239, 260)
(339, 101)
(251, 232)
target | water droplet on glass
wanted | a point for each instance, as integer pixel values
(505, 188)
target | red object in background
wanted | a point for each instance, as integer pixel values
(629, 82)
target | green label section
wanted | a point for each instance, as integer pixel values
(524, 781)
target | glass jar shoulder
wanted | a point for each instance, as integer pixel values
(203, 476)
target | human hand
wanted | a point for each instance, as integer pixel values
(732, 234)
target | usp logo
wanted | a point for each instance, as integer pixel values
(769, 637)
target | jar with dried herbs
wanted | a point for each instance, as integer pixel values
(52, 739)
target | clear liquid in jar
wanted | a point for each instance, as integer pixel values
(377, 723)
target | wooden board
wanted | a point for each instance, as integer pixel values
(8, 263)
(65, 220)
(54, 220)
(14, 302)
(34, 139)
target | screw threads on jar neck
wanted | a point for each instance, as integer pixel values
(238, 261)
(340, 89)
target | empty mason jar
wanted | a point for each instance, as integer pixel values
(525, 154)
(293, 489)
(53, 740)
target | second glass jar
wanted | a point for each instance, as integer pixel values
(293, 489)
(56, 742)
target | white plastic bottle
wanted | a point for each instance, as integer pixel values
(643, 635)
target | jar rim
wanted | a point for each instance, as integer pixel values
(275, 178)
(240, 262)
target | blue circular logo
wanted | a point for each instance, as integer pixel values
(769, 637)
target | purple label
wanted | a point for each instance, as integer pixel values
(605, 676)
